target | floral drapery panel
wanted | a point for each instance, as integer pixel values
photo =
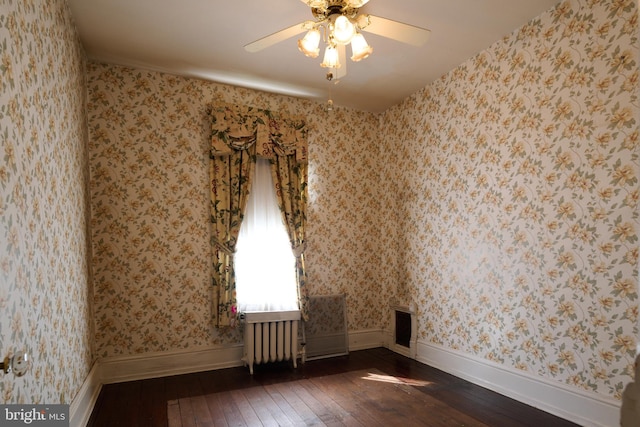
(239, 134)
(290, 179)
(230, 177)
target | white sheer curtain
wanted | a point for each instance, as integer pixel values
(264, 262)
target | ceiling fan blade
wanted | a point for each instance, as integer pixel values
(395, 30)
(276, 37)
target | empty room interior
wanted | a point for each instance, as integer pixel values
(459, 193)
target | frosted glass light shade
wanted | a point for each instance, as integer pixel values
(360, 49)
(343, 30)
(331, 59)
(309, 43)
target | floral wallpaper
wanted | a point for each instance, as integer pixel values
(149, 145)
(517, 181)
(499, 201)
(45, 302)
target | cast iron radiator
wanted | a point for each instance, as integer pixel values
(270, 336)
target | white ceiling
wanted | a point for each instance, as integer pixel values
(205, 39)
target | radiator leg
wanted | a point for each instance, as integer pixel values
(249, 349)
(257, 349)
(304, 344)
(294, 343)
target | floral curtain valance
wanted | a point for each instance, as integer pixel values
(237, 127)
(239, 135)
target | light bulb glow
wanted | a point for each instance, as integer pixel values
(343, 30)
(309, 43)
(331, 59)
(360, 49)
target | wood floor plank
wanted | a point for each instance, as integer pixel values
(423, 406)
(300, 407)
(106, 405)
(246, 410)
(467, 401)
(343, 395)
(254, 398)
(231, 412)
(266, 408)
(173, 414)
(323, 412)
(325, 392)
(283, 404)
(132, 396)
(201, 414)
(152, 408)
(331, 401)
(402, 404)
(186, 412)
(215, 409)
(377, 399)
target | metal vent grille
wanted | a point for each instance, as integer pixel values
(326, 331)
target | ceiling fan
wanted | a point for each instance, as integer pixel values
(338, 23)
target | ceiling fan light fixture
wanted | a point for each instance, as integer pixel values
(338, 23)
(360, 49)
(331, 59)
(309, 44)
(343, 30)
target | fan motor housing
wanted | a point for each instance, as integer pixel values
(334, 7)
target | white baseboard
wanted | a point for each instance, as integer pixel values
(407, 352)
(154, 365)
(365, 339)
(389, 342)
(581, 407)
(82, 405)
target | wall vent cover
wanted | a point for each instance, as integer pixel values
(403, 328)
(326, 331)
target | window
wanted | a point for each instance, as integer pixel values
(264, 263)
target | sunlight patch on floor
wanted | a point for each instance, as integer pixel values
(396, 380)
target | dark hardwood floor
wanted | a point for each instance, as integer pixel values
(234, 397)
